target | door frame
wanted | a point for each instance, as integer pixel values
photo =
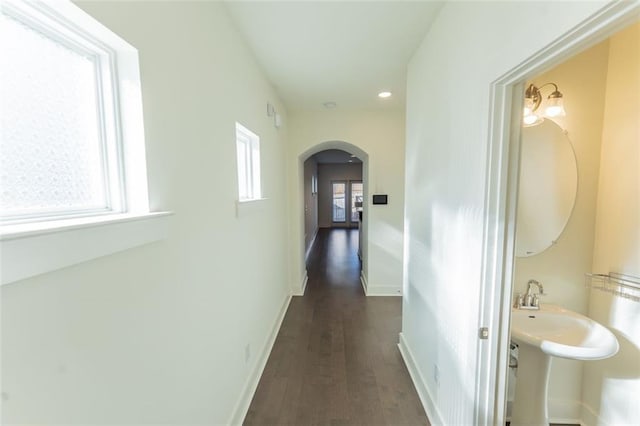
(503, 165)
(348, 223)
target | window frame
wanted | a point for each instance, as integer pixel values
(36, 247)
(57, 25)
(249, 182)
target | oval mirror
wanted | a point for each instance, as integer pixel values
(548, 187)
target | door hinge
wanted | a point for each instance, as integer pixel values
(483, 333)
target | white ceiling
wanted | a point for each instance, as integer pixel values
(339, 51)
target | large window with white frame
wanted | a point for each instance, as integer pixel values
(248, 157)
(71, 139)
(73, 169)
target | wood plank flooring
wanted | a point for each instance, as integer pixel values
(335, 360)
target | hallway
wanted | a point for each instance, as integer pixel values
(335, 360)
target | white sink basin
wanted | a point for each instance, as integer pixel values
(563, 333)
(541, 335)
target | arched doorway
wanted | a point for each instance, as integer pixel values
(333, 192)
(299, 237)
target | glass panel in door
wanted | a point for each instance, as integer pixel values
(339, 201)
(357, 195)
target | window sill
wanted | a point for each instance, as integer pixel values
(244, 207)
(35, 248)
(251, 200)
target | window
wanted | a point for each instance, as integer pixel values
(339, 201)
(72, 150)
(70, 116)
(248, 152)
(356, 200)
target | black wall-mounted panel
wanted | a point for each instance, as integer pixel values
(380, 199)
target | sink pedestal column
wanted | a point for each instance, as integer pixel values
(530, 401)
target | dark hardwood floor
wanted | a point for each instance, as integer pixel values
(335, 360)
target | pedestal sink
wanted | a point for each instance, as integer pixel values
(541, 334)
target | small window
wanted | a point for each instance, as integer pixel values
(248, 152)
(62, 118)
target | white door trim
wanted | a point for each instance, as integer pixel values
(501, 197)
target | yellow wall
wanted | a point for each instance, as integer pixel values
(561, 267)
(601, 89)
(611, 387)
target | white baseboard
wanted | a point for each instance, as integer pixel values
(242, 406)
(384, 291)
(590, 417)
(434, 415)
(363, 281)
(561, 412)
(378, 290)
(311, 243)
(303, 286)
(564, 412)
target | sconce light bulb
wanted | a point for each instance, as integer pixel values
(555, 111)
(554, 105)
(532, 120)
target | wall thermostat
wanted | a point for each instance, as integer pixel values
(380, 199)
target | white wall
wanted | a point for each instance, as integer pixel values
(611, 387)
(380, 136)
(329, 173)
(157, 334)
(561, 268)
(468, 47)
(310, 203)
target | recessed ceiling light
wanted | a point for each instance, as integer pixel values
(353, 156)
(330, 104)
(351, 161)
(384, 95)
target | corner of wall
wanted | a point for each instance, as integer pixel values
(299, 290)
(363, 281)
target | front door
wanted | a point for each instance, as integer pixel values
(347, 197)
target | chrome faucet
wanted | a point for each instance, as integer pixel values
(529, 300)
(537, 284)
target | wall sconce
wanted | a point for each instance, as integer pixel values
(553, 106)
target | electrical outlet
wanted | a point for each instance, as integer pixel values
(436, 375)
(247, 352)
